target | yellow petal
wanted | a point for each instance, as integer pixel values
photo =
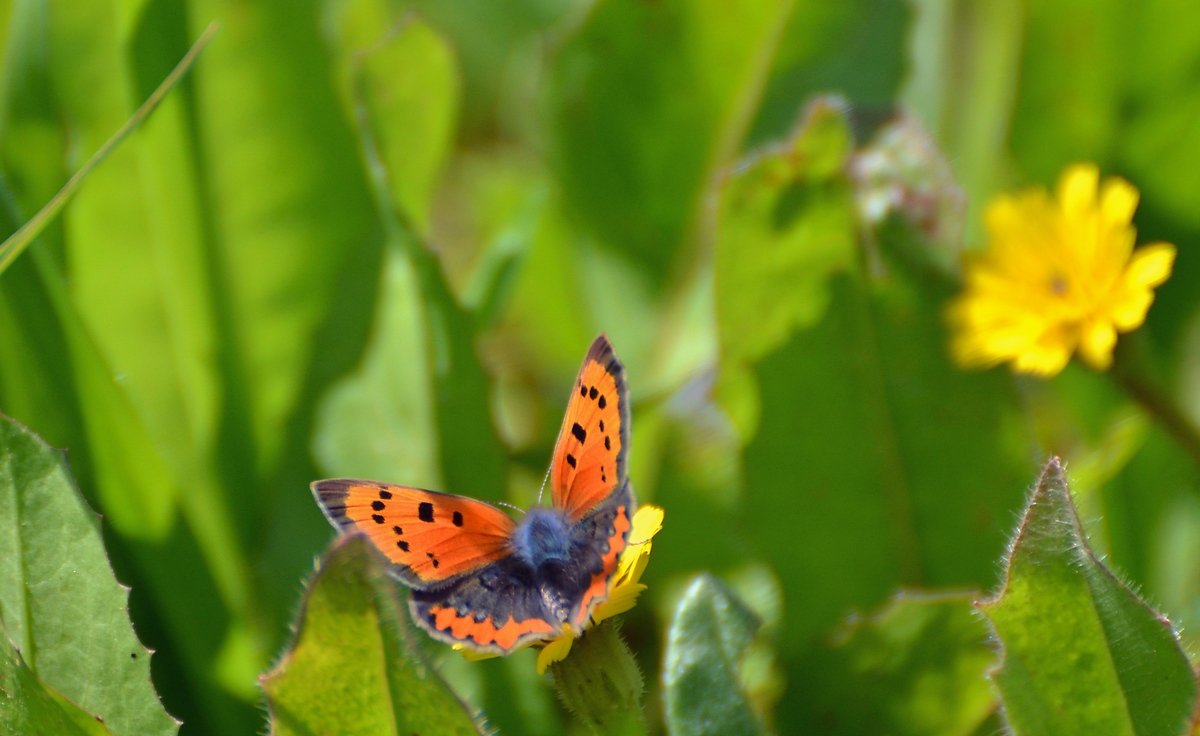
(473, 655)
(1118, 200)
(556, 651)
(1130, 309)
(1043, 360)
(646, 523)
(1096, 344)
(1077, 189)
(1150, 265)
(622, 598)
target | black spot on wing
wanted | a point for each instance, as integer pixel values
(602, 402)
(425, 511)
(378, 505)
(458, 518)
(579, 432)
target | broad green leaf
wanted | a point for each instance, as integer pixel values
(647, 102)
(153, 335)
(876, 440)
(401, 78)
(378, 421)
(352, 669)
(915, 667)
(869, 429)
(1082, 653)
(59, 602)
(290, 211)
(119, 414)
(470, 455)
(402, 86)
(472, 458)
(787, 221)
(409, 87)
(702, 676)
(854, 49)
(27, 706)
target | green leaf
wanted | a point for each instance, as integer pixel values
(915, 667)
(853, 48)
(707, 640)
(877, 439)
(352, 669)
(648, 100)
(59, 602)
(1082, 653)
(407, 86)
(377, 422)
(290, 212)
(402, 88)
(153, 336)
(27, 706)
(787, 221)
(869, 429)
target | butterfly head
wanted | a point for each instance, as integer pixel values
(543, 538)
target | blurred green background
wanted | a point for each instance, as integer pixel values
(374, 238)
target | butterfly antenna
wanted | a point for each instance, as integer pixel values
(542, 488)
(512, 506)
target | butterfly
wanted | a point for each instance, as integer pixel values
(488, 582)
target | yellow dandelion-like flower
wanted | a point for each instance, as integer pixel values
(623, 590)
(1058, 275)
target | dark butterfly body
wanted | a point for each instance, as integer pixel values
(480, 579)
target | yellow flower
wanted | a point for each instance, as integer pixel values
(623, 590)
(1057, 275)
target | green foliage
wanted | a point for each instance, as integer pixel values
(32, 707)
(352, 668)
(70, 653)
(1082, 653)
(373, 238)
(915, 667)
(702, 671)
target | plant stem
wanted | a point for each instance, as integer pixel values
(600, 683)
(1129, 372)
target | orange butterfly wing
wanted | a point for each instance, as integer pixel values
(589, 457)
(431, 538)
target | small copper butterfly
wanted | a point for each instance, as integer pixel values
(484, 580)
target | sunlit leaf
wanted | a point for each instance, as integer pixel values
(787, 222)
(28, 706)
(59, 602)
(1082, 653)
(351, 669)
